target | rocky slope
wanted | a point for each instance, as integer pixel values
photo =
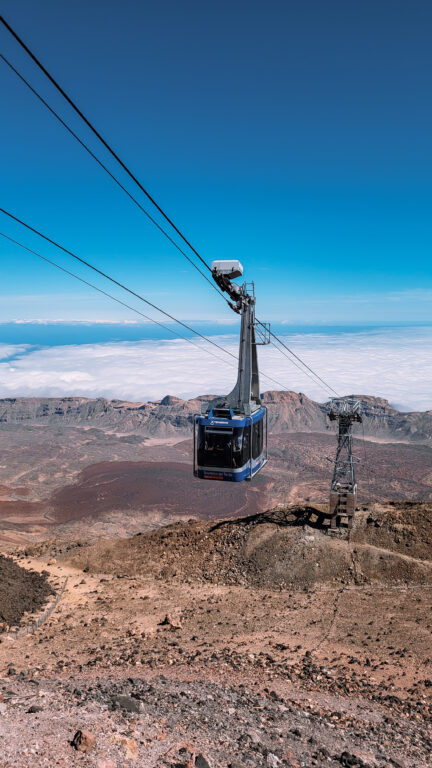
(288, 412)
(280, 548)
(182, 648)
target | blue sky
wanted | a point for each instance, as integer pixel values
(295, 136)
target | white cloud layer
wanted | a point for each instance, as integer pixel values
(10, 350)
(391, 363)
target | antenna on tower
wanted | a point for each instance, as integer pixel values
(343, 493)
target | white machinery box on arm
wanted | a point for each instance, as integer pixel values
(230, 269)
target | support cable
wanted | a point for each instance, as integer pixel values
(116, 282)
(100, 137)
(112, 176)
(302, 370)
(114, 298)
(273, 335)
(131, 175)
(133, 309)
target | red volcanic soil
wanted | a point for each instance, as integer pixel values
(167, 487)
(18, 518)
(21, 491)
(6, 492)
(17, 510)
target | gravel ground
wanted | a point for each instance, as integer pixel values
(165, 652)
(164, 721)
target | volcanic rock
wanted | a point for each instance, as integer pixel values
(83, 741)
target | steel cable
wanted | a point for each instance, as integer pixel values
(100, 137)
(113, 280)
(133, 309)
(317, 377)
(114, 298)
(146, 193)
(110, 174)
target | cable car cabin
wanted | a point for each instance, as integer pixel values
(230, 446)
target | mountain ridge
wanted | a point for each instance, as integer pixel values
(170, 416)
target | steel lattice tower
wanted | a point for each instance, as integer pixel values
(343, 493)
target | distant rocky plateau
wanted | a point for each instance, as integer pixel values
(287, 411)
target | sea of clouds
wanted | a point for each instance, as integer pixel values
(394, 363)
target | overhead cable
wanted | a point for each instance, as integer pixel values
(100, 137)
(113, 280)
(302, 370)
(114, 298)
(128, 306)
(137, 182)
(112, 176)
(291, 352)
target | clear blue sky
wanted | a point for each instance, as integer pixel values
(295, 136)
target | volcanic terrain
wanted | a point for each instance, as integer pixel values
(104, 468)
(259, 641)
(170, 622)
